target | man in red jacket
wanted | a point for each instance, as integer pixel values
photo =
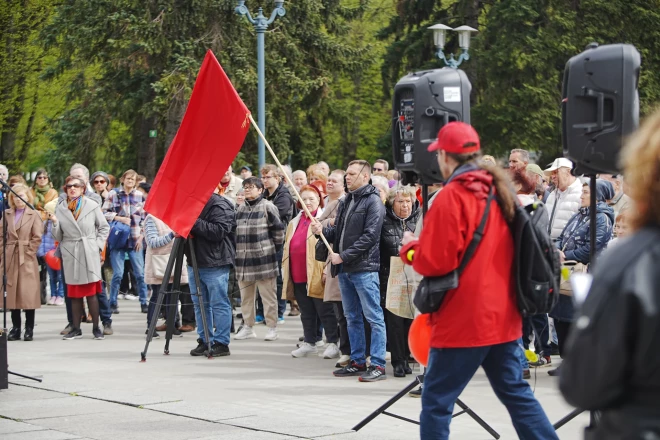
(478, 324)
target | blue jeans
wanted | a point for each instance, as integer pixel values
(117, 258)
(360, 292)
(217, 306)
(448, 373)
(521, 355)
(56, 283)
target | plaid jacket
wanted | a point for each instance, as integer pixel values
(259, 235)
(126, 205)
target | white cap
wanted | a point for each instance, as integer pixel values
(561, 162)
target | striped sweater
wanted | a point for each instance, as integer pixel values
(259, 235)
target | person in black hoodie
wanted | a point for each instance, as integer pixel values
(612, 362)
(402, 212)
(574, 245)
(356, 260)
(215, 249)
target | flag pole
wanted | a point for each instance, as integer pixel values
(286, 177)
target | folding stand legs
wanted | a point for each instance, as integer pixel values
(175, 263)
(419, 380)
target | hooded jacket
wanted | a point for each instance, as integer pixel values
(482, 311)
(361, 233)
(612, 361)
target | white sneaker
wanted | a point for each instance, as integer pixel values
(304, 350)
(344, 359)
(271, 335)
(320, 344)
(331, 352)
(245, 333)
(121, 296)
(131, 297)
(51, 301)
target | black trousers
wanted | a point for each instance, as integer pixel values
(397, 336)
(313, 309)
(563, 330)
(16, 318)
(344, 342)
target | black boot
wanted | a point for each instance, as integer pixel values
(398, 370)
(28, 336)
(14, 334)
(406, 367)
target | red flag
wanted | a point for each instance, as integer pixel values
(209, 138)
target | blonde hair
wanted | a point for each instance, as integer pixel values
(641, 161)
(29, 196)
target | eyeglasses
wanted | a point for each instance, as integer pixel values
(74, 185)
(249, 187)
(98, 181)
(42, 177)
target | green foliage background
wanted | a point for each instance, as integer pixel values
(85, 80)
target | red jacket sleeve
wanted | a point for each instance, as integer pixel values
(442, 242)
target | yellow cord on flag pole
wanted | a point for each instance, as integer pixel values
(286, 177)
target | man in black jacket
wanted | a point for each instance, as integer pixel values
(215, 249)
(356, 258)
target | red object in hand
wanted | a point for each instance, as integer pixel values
(52, 261)
(419, 339)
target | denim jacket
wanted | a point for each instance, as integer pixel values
(47, 240)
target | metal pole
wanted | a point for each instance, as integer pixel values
(261, 92)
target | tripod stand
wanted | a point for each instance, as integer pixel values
(419, 380)
(4, 365)
(175, 263)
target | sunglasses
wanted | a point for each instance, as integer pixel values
(99, 181)
(74, 185)
(42, 177)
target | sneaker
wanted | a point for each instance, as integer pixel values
(98, 334)
(344, 359)
(271, 335)
(259, 320)
(75, 333)
(66, 330)
(200, 350)
(280, 320)
(320, 344)
(59, 301)
(144, 308)
(51, 301)
(107, 329)
(331, 351)
(543, 361)
(245, 332)
(373, 374)
(131, 297)
(217, 350)
(304, 350)
(527, 374)
(416, 393)
(155, 336)
(352, 369)
(121, 296)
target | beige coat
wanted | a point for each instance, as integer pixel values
(81, 241)
(314, 268)
(163, 251)
(22, 267)
(331, 290)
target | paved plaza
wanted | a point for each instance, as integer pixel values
(99, 390)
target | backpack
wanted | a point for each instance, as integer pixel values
(537, 270)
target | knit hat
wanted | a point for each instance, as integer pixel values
(99, 173)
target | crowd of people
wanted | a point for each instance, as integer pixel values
(261, 251)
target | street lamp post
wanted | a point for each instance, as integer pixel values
(261, 23)
(440, 37)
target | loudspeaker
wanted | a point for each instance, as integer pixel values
(600, 106)
(423, 102)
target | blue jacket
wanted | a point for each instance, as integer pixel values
(574, 239)
(47, 240)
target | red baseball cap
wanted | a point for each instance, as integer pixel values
(458, 138)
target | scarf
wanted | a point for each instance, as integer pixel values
(40, 195)
(74, 206)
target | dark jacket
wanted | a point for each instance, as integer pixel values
(612, 361)
(574, 239)
(390, 239)
(213, 232)
(362, 233)
(283, 201)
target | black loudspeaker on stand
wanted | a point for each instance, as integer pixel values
(4, 364)
(175, 264)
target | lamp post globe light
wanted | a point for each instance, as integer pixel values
(261, 23)
(440, 38)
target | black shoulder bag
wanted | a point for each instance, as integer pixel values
(432, 290)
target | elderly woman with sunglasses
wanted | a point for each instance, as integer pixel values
(81, 229)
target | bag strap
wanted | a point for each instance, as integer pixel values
(478, 234)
